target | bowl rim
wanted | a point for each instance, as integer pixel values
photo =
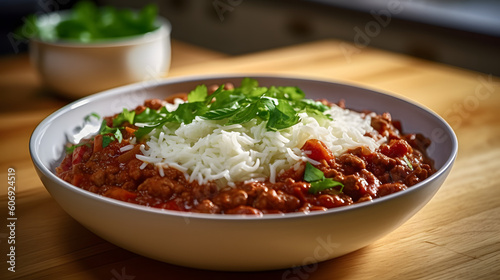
(164, 29)
(42, 126)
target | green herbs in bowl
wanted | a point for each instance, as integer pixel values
(88, 49)
(87, 23)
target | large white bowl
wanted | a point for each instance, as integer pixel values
(232, 242)
(75, 69)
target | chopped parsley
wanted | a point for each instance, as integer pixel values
(106, 140)
(124, 116)
(318, 181)
(277, 105)
(72, 148)
(408, 162)
(89, 117)
(106, 130)
(87, 23)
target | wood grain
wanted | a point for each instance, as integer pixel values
(456, 236)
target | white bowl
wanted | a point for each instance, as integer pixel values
(76, 69)
(233, 242)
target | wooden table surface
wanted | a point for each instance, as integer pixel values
(455, 236)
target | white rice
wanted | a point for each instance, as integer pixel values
(126, 148)
(207, 150)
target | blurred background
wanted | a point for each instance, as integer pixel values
(463, 33)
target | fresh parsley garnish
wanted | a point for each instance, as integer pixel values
(106, 140)
(313, 174)
(279, 106)
(124, 116)
(106, 130)
(72, 148)
(86, 22)
(199, 94)
(89, 117)
(318, 181)
(407, 161)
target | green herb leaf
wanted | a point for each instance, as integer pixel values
(278, 106)
(317, 180)
(147, 116)
(312, 174)
(106, 140)
(72, 148)
(225, 99)
(249, 83)
(324, 184)
(118, 135)
(143, 131)
(311, 104)
(88, 117)
(282, 116)
(186, 112)
(124, 116)
(222, 113)
(244, 114)
(292, 93)
(199, 94)
(147, 16)
(87, 23)
(408, 162)
(210, 98)
(106, 130)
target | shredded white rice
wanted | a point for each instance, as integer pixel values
(207, 150)
(126, 148)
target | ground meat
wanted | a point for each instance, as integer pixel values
(162, 187)
(364, 175)
(351, 163)
(230, 198)
(207, 206)
(154, 104)
(276, 201)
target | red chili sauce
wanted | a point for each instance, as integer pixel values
(366, 175)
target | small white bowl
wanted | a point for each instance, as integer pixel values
(235, 242)
(75, 69)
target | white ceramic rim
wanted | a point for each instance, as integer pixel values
(137, 86)
(164, 29)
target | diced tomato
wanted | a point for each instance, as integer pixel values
(78, 153)
(120, 194)
(300, 193)
(66, 164)
(326, 200)
(129, 132)
(98, 143)
(317, 150)
(171, 205)
(396, 148)
(129, 155)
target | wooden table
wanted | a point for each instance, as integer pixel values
(456, 236)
